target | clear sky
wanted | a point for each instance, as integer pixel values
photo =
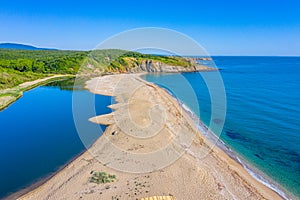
(223, 27)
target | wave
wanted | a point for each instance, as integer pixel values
(255, 173)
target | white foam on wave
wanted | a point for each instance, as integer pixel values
(262, 180)
(216, 140)
(257, 175)
(211, 136)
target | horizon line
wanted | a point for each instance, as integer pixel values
(215, 55)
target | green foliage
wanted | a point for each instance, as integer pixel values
(69, 62)
(101, 177)
(18, 66)
(10, 78)
(170, 60)
(42, 61)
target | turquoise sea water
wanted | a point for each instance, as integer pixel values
(38, 134)
(263, 113)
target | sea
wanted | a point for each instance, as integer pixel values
(262, 121)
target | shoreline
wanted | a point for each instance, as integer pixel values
(13, 94)
(39, 182)
(253, 171)
(220, 153)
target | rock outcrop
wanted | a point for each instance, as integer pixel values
(156, 66)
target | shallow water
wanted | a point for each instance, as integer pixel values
(263, 114)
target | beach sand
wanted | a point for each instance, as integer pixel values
(154, 148)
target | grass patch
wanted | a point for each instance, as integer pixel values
(101, 177)
(10, 78)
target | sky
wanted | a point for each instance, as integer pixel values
(222, 27)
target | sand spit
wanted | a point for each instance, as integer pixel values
(153, 148)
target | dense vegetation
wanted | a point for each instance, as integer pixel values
(42, 61)
(18, 66)
(10, 78)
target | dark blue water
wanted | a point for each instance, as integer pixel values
(263, 113)
(38, 134)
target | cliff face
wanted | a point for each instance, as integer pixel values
(156, 66)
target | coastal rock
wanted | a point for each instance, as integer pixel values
(158, 67)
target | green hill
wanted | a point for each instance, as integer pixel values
(18, 66)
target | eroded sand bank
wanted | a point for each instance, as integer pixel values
(154, 149)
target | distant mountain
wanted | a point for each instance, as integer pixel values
(21, 47)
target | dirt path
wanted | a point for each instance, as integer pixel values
(10, 95)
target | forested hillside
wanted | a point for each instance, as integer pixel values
(18, 66)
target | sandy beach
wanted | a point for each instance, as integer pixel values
(153, 148)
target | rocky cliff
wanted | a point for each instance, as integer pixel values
(152, 66)
(133, 62)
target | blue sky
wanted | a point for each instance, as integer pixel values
(222, 27)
